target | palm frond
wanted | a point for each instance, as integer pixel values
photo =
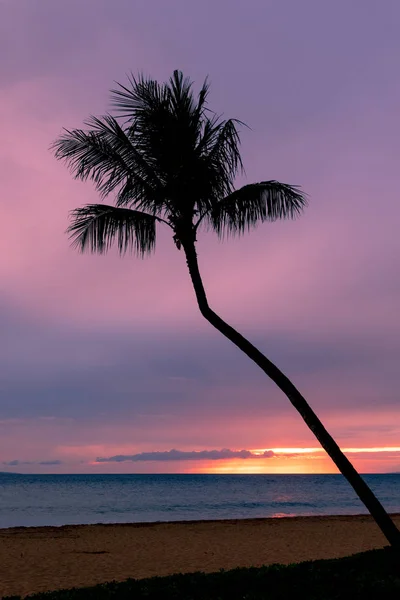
(220, 146)
(255, 203)
(106, 155)
(95, 227)
(181, 97)
(201, 107)
(142, 95)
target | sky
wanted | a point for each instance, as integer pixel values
(106, 365)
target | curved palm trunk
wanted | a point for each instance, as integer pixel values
(362, 490)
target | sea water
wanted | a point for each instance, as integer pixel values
(33, 500)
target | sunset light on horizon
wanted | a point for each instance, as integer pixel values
(278, 461)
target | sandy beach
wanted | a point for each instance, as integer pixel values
(46, 558)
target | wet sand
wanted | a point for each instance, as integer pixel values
(35, 559)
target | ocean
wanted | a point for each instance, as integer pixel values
(33, 500)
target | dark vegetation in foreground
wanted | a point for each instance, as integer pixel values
(367, 576)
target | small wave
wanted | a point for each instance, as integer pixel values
(294, 504)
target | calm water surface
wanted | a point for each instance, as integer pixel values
(28, 500)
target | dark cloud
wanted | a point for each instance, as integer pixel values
(172, 455)
(15, 463)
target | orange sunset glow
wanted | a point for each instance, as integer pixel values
(304, 461)
(279, 460)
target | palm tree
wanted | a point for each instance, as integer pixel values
(171, 161)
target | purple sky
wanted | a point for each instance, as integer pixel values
(104, 357)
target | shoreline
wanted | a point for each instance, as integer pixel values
(139, 524)
(38, 559)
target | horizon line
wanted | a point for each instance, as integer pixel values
(202, 474)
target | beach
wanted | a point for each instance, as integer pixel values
(35, 559)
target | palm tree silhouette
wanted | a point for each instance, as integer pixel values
(167, 159)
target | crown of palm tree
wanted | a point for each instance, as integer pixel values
(165, 157)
